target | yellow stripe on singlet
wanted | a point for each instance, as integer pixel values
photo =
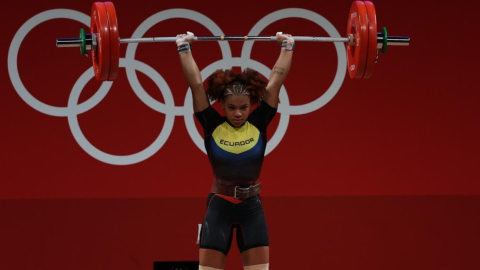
(235, 140)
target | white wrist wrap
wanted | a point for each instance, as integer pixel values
(288, 45)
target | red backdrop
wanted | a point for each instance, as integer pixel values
(384, 174)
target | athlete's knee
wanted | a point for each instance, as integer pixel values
(201, 267)
(263, 266)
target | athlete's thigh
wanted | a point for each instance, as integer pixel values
(252, 229)
(216, 233)
(212, 258)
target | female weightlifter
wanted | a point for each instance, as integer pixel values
(235, 146)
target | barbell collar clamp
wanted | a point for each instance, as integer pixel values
(392, 41)
(90, 40)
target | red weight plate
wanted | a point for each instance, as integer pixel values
(99, 26)
(114, 41)
(372, 39)
(358, 26)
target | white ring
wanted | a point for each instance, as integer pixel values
(330, 29)
(228, 63)
(143, 28)
(116, 159)
(15, 76)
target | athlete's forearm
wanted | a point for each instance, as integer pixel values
(280, 70)
(194, 80)
(190, 70)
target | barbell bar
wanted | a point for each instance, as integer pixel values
(77, 42)
(362, 42)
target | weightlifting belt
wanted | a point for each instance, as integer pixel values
(239, 192)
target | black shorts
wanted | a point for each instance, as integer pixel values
(222, 216)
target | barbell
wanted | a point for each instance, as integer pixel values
(363, 42)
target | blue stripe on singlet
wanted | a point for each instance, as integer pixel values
(227, 157)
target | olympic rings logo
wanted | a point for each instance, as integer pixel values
(168, 108)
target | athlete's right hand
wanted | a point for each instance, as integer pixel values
(185, 38)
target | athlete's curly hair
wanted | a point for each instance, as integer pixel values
(218, 82)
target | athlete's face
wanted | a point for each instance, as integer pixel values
(237, 109)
